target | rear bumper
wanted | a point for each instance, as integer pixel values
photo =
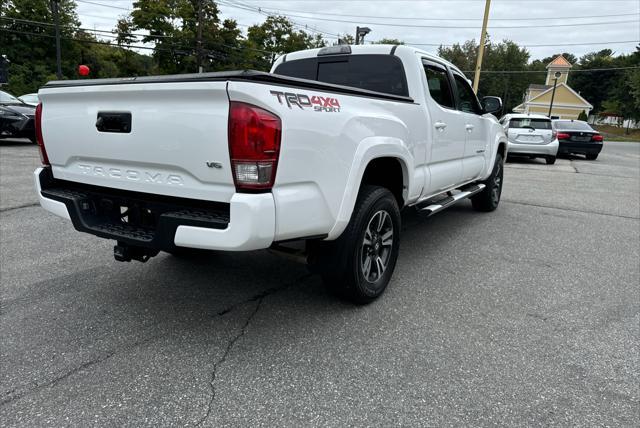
(158, 222)
(19, 128)
(567, 147)
(550, 149)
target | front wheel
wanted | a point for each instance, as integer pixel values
(358, 265)
(489, 198)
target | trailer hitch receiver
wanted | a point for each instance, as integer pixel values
(125, 253)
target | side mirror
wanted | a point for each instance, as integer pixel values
(491, 104)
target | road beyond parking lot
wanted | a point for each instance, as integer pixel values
(528, 315)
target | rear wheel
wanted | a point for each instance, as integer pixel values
(489, 198)
(591, 156)
(550, 160)
(358, 265)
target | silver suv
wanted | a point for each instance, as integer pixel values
(531, 135)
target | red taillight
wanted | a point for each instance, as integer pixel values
(254, 146)
(597, 138)
(43, 152)
(563, 136)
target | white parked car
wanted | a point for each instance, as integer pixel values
(531, 135)
(326, 149)
(31, 99)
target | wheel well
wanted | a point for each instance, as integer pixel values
(386, 172)
(502, 147)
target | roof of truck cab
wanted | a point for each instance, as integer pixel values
(370, 50)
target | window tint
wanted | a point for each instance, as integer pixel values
(466, 98)
(439, 87)
(379, 73)
(533, 123)
(301, 68)
(572, 125)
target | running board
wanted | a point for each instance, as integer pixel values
(466, 192)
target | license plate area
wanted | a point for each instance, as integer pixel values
(581, 139)
(532, 139)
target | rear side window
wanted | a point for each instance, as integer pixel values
(439, 87)
(530, 123)
(379, 73)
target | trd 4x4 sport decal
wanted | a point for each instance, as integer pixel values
(303, 101)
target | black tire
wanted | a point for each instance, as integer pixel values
(347, 264)
(33, 140)
(591, 156)
(550, 160)
(489, 198)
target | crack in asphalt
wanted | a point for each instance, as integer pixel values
(18, 207)
(569, 209)
(258, 298)
(102, 358)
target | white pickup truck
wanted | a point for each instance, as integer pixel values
(326, 149)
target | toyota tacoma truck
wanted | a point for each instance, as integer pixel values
(326, 150)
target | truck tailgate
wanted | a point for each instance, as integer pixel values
(176, 143)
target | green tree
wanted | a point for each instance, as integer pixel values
(498, 57)
(31, 47)
(277, 36)
(387, 41)
(173, 28)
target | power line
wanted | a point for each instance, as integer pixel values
(95, 3)
(584, 70)
(114, 34)
(190, 50)
(278, 10)
(97, 42)
(242, 6)
(539, 45)
(388, 24)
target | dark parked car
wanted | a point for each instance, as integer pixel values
(16, 118)
(577, 137)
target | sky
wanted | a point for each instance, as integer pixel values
(429, 23)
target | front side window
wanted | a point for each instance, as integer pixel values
(439, 87)
(467, 100)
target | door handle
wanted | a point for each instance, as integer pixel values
(440, 125)
(469, 127)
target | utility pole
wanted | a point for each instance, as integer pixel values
(199, 39)
(357, 34)
(556, 76)
(476, 78)
(56, 21)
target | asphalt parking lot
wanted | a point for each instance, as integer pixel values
(526, 316)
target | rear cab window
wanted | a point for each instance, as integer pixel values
(530, 123)
(378, 73)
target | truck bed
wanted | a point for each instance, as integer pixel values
(238, 75)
